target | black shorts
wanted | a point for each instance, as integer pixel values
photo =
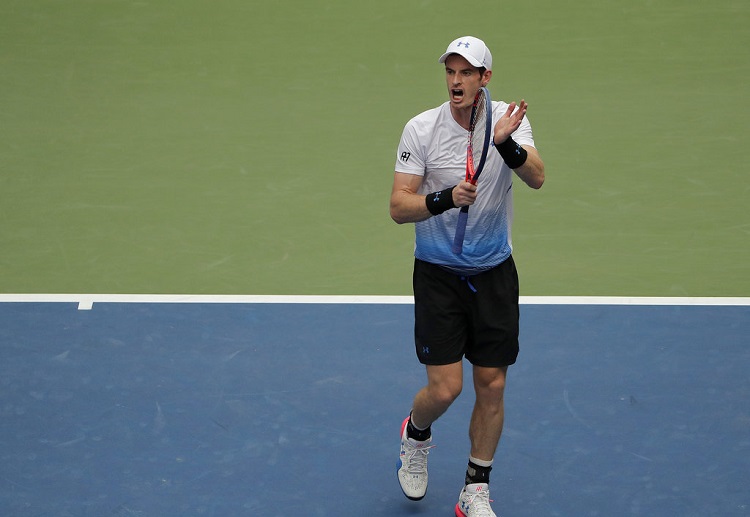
(474, 317)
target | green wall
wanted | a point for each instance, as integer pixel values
(234, 147)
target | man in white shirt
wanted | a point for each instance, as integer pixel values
(465, 305)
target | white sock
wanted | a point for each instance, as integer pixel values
(480, 463)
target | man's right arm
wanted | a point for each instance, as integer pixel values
(407, 206)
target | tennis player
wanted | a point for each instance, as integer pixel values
(465, 305)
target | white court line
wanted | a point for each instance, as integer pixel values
(86, 301)
(635, 300)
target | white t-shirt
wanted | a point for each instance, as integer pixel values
(433, 145)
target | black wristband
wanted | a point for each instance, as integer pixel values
(440, 201)
(513, 154)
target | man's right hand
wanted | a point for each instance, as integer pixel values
(464, 194)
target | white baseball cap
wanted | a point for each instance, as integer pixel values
(472, 49)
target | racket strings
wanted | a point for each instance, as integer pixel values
(478, 128)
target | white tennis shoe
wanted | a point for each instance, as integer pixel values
(474, 501)
(412, 466)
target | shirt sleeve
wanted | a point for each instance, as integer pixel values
(410, 155)
(523, 134)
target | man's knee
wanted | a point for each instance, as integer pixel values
(445, 383)
(489, 382)
(447, 391)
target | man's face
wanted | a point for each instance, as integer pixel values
(463, 81)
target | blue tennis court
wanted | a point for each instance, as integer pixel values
(279, 409)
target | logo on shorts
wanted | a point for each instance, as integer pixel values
(426, 350)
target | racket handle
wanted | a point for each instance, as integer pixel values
(458, 240)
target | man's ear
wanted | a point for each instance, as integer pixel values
(486, 77)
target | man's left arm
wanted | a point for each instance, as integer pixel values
(530, 168)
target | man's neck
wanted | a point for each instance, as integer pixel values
(462, 116)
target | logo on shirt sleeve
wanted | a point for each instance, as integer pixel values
(405, 156)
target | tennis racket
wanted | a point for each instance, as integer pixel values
(480, 134)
